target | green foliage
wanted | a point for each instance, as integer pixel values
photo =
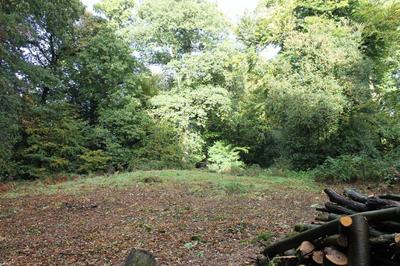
(222, 66)
(233, 188)
(121, 129)
(94, 161)
(264, 237)
(118, 12)
(197, 115)
(193, 108)
(161, 149)
(350, 168)
(10, 107)
(102, 69)
(224, 157)
(53, 140)
(305, 90)
(169, 28)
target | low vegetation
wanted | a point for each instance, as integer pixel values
(198, 180)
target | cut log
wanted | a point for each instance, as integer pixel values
(318, 257)
(333, 240)
(322, 209)
(385, 240)
(346, 221)
(389, 226)
(324, 230)
(374, 233)
(375, 203)
(358, 251)
(306, 248)
(335, 208)
(331, 216)
(334, 257)
(290, 252)
(382, 215)
(355, 195)
(390, 197)
(326, 217)
(343, 201)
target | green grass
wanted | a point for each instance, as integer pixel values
(197, 180)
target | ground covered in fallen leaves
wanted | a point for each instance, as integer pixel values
(181, 223)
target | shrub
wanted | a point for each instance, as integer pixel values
(161, 149)
(94, 161)
(353, 167)
(8, 170)
(224, 157)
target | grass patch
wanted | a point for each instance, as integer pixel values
(232, 188)
(264, 237)
(199, 181)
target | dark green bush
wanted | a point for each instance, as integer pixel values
(94, 161)
(53, 141)
(161, 149)
(353, 167)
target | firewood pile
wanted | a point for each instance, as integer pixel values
(351, 229)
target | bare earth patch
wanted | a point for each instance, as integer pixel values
(178, 225)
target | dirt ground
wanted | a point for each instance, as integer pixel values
(179, 225)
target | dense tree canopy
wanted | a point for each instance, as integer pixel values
(79, 92)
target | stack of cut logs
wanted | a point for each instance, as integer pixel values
(352, 229)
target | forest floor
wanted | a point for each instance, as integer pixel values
(182, 217)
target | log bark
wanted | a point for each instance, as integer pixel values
(374, 233)
(385, 240)
(389, 226)
(382, 215)
(338, 209)
(322, 209)
(355, 195)
(333, 240)
(358, 251)
(390, 197)
(343, 201)
(326, 217)
(375, 203)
